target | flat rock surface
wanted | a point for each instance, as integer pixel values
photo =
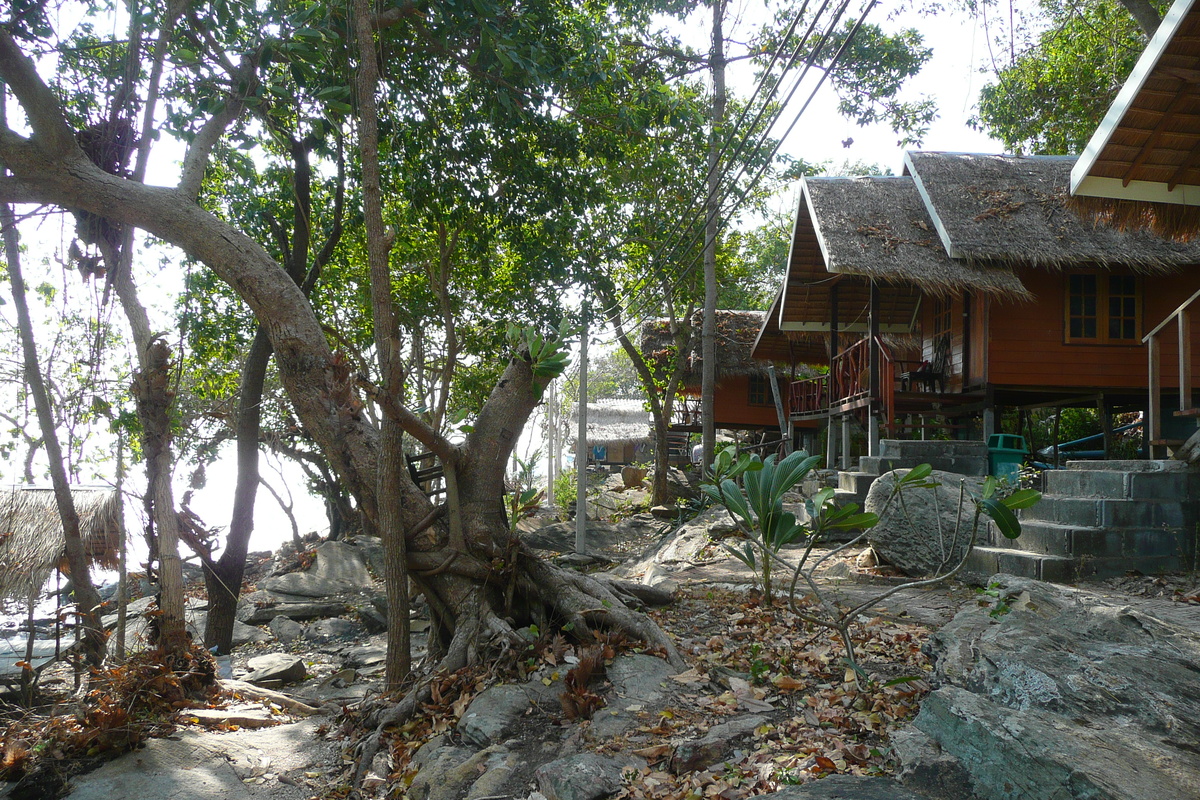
(845, 787)
(204, 765)
(1055, 693)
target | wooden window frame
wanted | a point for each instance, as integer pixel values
(768, 397)
(1102, 310)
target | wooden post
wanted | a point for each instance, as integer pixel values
(1185, 359)
(831, 443)
(1153, 431)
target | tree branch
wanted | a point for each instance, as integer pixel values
(51, 134)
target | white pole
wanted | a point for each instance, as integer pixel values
(581, 446)
(551, 403)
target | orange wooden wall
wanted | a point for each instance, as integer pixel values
(731, 404)
(1027, 347)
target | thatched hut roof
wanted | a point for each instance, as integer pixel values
(31, 535)
(736, 333)
(879, 228)
(613, 422)
(1015, 210)
(1139, 169)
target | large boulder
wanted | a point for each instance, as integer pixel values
(337, 567)
(1054, 693)
(923, 531)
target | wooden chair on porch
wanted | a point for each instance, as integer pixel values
(930, 374)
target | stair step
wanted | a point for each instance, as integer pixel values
(1082, 543)
(983, 562)
(1107, 512)
(1172, 485)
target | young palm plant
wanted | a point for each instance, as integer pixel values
(757, 509)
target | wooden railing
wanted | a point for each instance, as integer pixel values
(1181, 316)
(849, 379)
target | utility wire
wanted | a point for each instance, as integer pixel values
(779, 142)
(725, 207)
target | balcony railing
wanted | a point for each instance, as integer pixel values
(849, 379)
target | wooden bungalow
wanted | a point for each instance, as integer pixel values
(618, 432)
(744, 399)
(1141, 170)
(965, 286)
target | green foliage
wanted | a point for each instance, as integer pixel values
(523, 504)
(547, 355)
(757, 508)
(1052, 96)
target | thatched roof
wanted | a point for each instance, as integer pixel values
(1015, 210)
(31, 535)
(736, 333)
(613, 421)
(1138, 170)
(879, 228)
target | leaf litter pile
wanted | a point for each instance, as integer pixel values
(745, 659)
(752, 659)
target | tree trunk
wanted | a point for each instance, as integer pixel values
(712, 229)
(1144, 14)
(389, 518)
(152, 392)
(466, 587)
(225, 582)
(87, 600)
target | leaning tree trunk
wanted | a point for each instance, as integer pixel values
(87, 600)
(467, 582)
(224, 580)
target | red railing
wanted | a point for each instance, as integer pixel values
(849, 379)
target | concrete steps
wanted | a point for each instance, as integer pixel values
(1098, 519)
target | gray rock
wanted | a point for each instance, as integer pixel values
(260, 607)
(367, 655)
(286, 629)
(328, 630)
(720, 741)
(494, 714)
(372, 619)
(337, 568)
(443, 771)
(498, 767)
(928, 768)
(302, 584)
(587, 776)
(275, 669)
(639, 683)
(371, 548)
(845, 787)
(204, 765)
(1065, 696)
(918, 535)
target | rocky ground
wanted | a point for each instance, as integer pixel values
(1025, 691)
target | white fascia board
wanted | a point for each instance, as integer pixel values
(1145, 191)
(1133, 85)
(938, 225)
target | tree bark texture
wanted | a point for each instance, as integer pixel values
(87, 600)
(712, 230)
(466, 587)
(389, 519)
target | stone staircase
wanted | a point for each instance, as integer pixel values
(963, 457)
(1098, 519)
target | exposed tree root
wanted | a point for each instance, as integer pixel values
(571, 599)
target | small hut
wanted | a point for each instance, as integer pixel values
(744, 399)
(31, 536)
(618, 431)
